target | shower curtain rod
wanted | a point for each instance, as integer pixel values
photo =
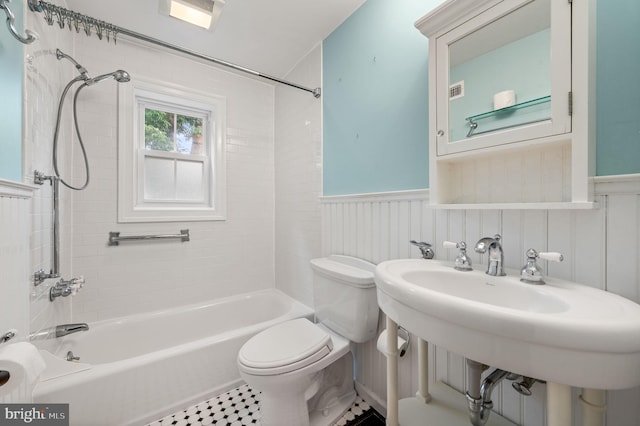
(77, 21)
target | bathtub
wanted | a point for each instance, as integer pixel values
(137, 369)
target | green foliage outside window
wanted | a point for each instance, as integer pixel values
(159, 130)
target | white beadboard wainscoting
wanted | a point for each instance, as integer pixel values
(600, 246)
(15, 229)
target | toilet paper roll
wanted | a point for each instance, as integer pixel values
(504, 99)
(20, 363)
(382, 345)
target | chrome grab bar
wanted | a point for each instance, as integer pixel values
(115, 238)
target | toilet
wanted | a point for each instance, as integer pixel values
(303, 370)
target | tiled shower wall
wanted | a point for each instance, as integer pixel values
(45, 78)
(601, 247)
(222, 258)
(298, 170)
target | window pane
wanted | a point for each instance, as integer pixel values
(189, 181)
(189, 136)
(159, 179)
(158, 130)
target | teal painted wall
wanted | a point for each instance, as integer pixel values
(375, 112)
(11, 60)
(375, 108)
(618, 88)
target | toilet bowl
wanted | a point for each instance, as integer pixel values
(303, 370)
(287, 364)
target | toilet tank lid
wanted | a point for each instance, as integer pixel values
(354, 271)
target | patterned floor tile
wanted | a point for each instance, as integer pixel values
(240, 407)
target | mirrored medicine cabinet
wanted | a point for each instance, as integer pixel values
(509, 85)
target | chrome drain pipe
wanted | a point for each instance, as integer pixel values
(479, 395)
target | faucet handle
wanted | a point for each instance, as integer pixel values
(462, 262)
(76, 284)
(531, 272)
(553, 256)
(450, 244)
(425, 249)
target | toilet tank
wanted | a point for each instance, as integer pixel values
(344, 296)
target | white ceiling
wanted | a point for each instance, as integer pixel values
(269, 36)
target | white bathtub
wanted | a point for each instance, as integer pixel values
(140, 368)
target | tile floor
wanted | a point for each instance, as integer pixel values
(240, 407)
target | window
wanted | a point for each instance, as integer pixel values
(171, 156)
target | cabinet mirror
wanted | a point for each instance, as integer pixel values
(504, 76)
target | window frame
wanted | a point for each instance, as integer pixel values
(132, 206)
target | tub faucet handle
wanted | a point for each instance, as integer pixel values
(78, 281)
(531, 273)
(76, 284)
(425, 249)
(66, 288)
(462, 261)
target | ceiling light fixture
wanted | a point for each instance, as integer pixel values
(203, 13)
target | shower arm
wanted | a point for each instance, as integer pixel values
(77, 20)
(40, 275)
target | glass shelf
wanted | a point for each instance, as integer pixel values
(473, 124)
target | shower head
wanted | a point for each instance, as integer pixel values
(82, 70)
(120, 76)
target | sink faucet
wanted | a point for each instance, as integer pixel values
(59, 331)
(492, 246)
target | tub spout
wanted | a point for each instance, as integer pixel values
(59, 331)
(64, 329)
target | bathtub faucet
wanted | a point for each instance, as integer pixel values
(59, 331)
(65, 288)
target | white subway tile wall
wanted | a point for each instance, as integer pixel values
(45, 78)
(222, 258)
(298, 176)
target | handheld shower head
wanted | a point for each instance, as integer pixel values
(120, 76)
(82, 70)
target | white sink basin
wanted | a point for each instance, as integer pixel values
(561, 332)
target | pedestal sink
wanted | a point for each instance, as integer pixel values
(561, 331)
(564, 333)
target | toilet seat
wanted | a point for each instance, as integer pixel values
(284, 348)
